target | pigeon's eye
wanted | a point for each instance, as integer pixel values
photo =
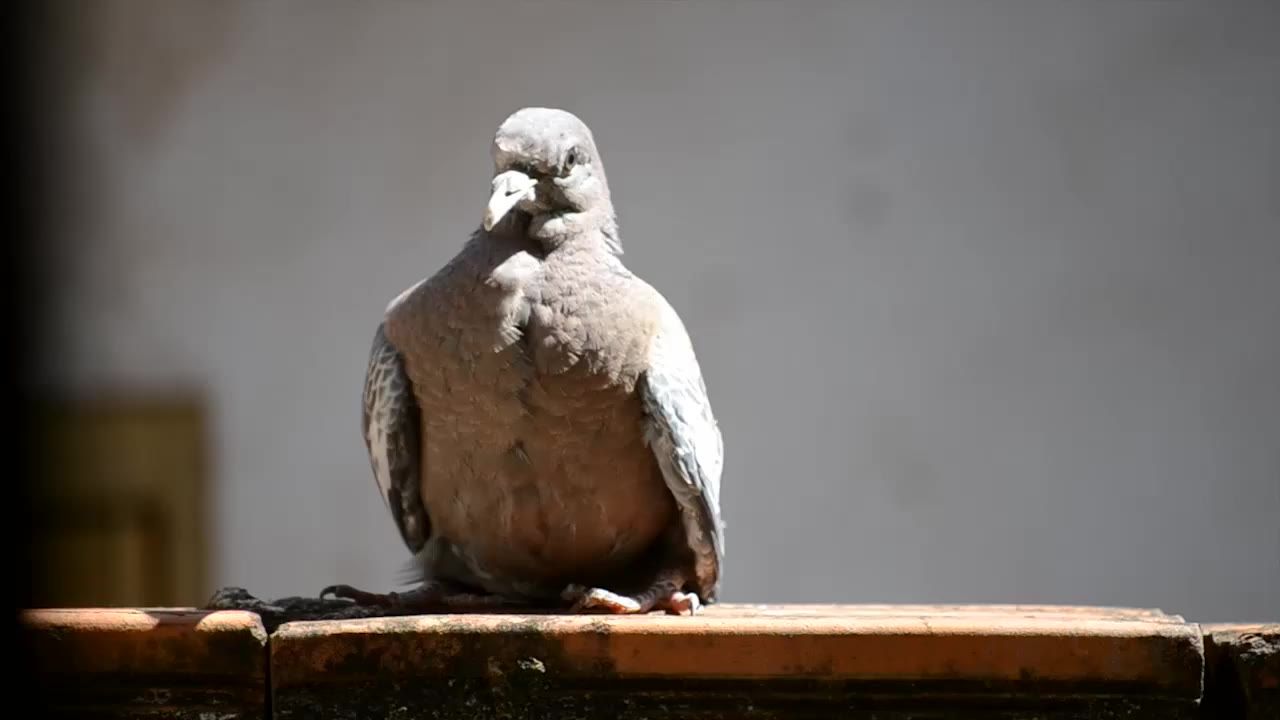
(575, 157)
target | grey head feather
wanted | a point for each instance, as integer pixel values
(555, 151)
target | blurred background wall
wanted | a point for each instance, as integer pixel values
(987, 293)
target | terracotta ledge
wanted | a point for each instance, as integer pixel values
(759, 661)
(177, 663)
(1242, 671)
(746, 661)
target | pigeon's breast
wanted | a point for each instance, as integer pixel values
(535, 464)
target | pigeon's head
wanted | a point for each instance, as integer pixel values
(547, 168)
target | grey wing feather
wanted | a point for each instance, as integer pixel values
(390, 424)
(685, 438)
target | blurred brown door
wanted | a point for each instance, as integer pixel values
(120, 503)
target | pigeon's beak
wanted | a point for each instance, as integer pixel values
(509, 188)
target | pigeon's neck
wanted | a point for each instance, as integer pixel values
(585, 229)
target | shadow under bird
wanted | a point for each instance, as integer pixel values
(534, 412)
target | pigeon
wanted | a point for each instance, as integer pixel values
(534, 413)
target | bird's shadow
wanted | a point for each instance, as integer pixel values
(296, 608)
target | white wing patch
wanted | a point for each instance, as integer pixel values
(685, 438)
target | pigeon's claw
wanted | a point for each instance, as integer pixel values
(663, 594)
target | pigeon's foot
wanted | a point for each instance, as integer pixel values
(664, 594)
(585, 599)
(427, 597)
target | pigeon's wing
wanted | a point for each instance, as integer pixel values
(684, 436)
(390, 423)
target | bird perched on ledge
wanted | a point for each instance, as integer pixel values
(534, 413)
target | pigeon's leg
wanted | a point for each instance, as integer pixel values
(430, 596)
(662, 594)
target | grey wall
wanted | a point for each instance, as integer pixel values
(987, 293)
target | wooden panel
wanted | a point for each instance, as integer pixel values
(119, 512)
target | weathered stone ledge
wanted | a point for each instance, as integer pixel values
(163, 662)
(1242, 671)
(733, 660)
